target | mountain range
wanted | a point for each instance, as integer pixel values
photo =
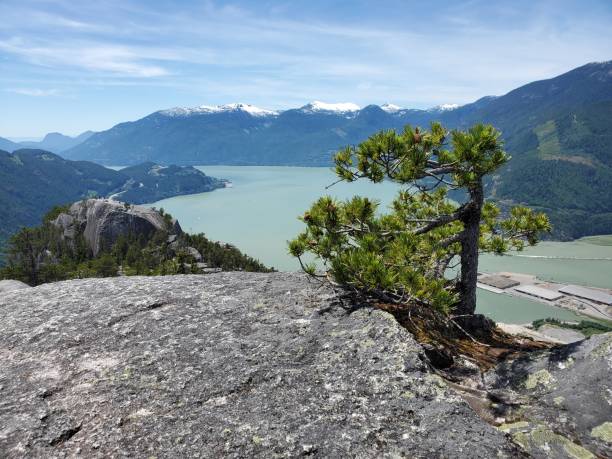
(33, 181)
(54, 142)
(305, 136)
(57, 142)
(558, 132)
(241, 134)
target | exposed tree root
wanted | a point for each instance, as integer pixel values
(472, 338)
(461, 350)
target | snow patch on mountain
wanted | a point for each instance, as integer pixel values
(391, 108)
(318, 106)
(209, 109)
(444, 107)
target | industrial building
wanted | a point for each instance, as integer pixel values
(539, 292)
(498, 281)
(588, 294)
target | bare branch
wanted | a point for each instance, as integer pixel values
(442, 220)
(335, 183)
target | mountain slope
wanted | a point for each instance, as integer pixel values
(32, 181)
(558, 131)
(7, 145)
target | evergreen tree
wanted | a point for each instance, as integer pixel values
(105, 265)
(403, 256)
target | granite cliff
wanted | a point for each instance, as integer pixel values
(102, 221)
(260, 365)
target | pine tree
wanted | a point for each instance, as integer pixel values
(403, 256)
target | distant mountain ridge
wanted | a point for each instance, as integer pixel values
(557, 130)
(8, 145)
(54, 142)
(304, 136)
(57, 142)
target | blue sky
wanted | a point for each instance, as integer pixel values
(69, 66)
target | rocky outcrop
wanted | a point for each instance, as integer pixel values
(193, 253)
(102, 221)
(9, 285)
(223, 365)
(565, 395)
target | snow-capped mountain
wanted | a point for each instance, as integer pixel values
(206, 134)
(210, 109)
(316, 107)
(242, 134)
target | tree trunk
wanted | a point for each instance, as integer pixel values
(469, 252)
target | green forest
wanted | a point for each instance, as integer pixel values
(41, 254)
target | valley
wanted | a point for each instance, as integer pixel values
(556, 130)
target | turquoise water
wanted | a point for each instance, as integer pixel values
(583, 262)
(259, 214)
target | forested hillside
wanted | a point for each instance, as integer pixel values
(103, 238)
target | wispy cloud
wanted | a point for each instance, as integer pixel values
(34, 92)
(137, 40)
(277, 54)
(120, 60)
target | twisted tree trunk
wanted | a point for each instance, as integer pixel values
(469, 251)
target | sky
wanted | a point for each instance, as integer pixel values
(69, 66)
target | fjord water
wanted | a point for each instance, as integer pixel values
(258, 214)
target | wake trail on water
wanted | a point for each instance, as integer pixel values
(553, 257)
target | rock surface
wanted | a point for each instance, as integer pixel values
(8, 285)
(104, 220)
(567, 399)
(230, 364)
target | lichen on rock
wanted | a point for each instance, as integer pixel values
(603, 432)
(566, 412)
(539, 378)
